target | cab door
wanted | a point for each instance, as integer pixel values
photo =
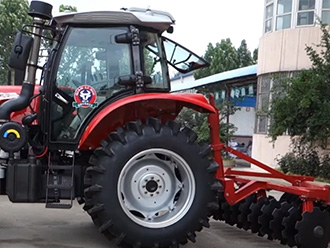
(89, 65)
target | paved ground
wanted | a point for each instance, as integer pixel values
(33, 226)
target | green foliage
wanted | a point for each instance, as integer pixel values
(244, 55)
(13, 14)
(255, 56)
(149, 62)
(69, 8)
(198, 122)
(301, 106)
(305, 160)
(224, 57)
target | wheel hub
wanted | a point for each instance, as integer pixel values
(318, 232)
(152, 186)
(156, 188)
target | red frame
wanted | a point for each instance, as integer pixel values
(298, 185)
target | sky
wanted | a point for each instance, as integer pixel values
(198, 23)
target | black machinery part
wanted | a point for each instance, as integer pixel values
(13, 137)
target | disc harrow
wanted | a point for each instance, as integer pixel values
(289, 223)
(313, 230)
(267, 216)
(253, 217)
(300, 217)
(244, 210)
(275, 224)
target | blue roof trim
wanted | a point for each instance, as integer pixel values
(237, 73)
(247, 101)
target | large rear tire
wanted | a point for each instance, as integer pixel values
(151, 185)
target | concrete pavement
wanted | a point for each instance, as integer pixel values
(33, 226)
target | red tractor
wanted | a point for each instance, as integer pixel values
(100, 127)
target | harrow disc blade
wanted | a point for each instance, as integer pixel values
(266, 217)
(313, 229)
(276, 224)
(226, 216)
(217, 214)
(244, 210)
(234, 212)
(255, 213)
(289, 224)
(290, 198)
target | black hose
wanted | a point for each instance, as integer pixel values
(17, 104)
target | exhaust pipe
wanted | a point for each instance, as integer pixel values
(40, 12)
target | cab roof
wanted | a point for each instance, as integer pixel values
(159, 20)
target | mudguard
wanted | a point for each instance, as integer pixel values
(164, 106)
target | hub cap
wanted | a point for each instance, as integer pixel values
(156, 188)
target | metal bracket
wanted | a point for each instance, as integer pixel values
(135, 36)
(139, 79)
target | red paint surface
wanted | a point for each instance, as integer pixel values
(17, 116)
(139, 107)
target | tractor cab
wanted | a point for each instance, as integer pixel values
(97, 58)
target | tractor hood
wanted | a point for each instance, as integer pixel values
(8, 92)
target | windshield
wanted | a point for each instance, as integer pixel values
(92, 57)
(155, 63)
(182, 59)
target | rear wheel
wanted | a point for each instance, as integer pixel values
(151, 185)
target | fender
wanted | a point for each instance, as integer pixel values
(164, 106)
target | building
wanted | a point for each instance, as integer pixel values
(289, 25)
(239, 86)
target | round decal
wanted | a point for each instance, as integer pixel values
(85, 97)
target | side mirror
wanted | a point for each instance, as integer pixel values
(20, 51)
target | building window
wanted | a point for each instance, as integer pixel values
(269, 16)
(264, 86)
(306, 10)
(283, 14)
(326, 11)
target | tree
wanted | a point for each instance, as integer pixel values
(222, 57)
(69, 8)
(255, 56)
(244, 55)
(301, 104)
(13, 14)
(198, 122)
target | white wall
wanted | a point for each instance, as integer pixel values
(284, 50)
(244, 120)
(266, 151)
(182, 82)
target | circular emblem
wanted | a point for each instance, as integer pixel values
(85, 97)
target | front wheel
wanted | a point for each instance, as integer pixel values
(151, 185)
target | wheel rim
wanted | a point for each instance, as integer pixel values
(156, 188)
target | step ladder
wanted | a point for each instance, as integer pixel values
(56, 184)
